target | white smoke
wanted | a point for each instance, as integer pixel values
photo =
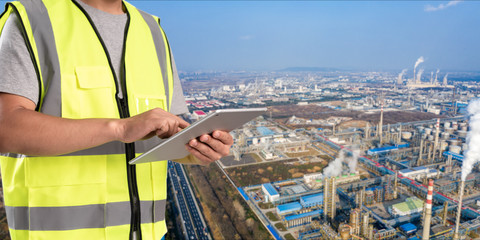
(473, 139)
(436, 75)
(445, 79)
(400, 76)
(419, 75)
(419, 60)
(335, 168)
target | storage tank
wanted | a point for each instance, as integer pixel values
(455, 149)
(447, 124)
(455, 125)
(443, 145)
(454, 142)
(445, 135)
(449, 130)
(462, 133)
(406, 135)
(428, 131)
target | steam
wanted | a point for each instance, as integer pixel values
(400, 76)
(419, 60)
(473, 139)
(419, 75)
(445, 79)
(436, 75)
(335, 168)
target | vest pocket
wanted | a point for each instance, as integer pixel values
(90, 93)
(65, 170)
(144, 103)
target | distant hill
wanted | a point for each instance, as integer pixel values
(309, 69)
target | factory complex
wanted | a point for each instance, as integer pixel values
(384, 197)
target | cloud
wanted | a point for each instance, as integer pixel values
(247, 37)
(430, 8)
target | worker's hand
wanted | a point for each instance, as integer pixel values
(148, 124)
(209, 148)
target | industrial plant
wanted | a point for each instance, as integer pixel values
(337, 157)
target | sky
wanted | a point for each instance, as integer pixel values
(356, 35)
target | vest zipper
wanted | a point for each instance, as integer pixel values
(122, 105)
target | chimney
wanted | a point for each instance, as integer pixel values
(428, 212)
(459, 211)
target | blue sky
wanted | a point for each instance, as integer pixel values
(368, 35)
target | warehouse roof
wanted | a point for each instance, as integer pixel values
(302, 215)
(312, 199)
(408, 228)
(409, 204)
(289, 207)
(270, 189)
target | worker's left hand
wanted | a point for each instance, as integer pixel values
(209, 148)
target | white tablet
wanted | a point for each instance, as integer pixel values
(174, 147)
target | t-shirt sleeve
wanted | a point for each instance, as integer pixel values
(17, 73)
(178, 106)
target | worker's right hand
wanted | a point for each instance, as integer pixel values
(148, 124)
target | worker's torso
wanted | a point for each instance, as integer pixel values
(90, 194)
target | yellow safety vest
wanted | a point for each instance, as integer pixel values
(93, 193)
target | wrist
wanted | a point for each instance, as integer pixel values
(116, 128)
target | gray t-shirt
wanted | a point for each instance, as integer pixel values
(17, 73)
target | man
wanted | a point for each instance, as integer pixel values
(85, 85)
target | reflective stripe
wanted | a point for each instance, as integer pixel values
(80, 217)
(160, 46)
(47, 56)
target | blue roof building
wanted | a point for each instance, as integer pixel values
(265, 131)
(455, 156)
(288, 208)
(376, 151)
(408, 228)
(302, 218)
(312, 200)
(271, 194)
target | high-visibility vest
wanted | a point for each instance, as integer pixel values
(93, 193)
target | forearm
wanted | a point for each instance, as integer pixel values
(33, 133)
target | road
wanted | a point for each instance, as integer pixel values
(193, 224)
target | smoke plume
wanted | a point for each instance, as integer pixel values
(473, 139)
(445, 79)
(335, 168)
(419, 75)
(400, 76)
(419, 60)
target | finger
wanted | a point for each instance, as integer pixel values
(223, 136)
(204, 160)
(215, 144)
(182, 123)
(207, 151)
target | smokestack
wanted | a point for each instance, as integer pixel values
(428, 212)
(436, 75)
(435, 148)
(431, 77)
(395, 186)
(459, 211)
(380, 126)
